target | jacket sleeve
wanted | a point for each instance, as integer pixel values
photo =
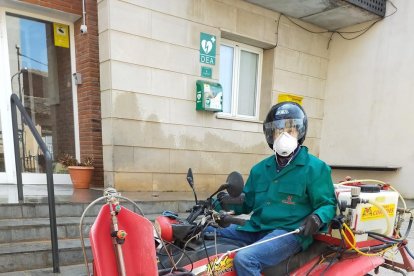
(249, 196)
(322, 194)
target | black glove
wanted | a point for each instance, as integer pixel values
(220, 197)
(310, 225)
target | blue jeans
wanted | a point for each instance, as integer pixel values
(252, 260)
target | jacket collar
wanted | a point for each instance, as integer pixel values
(299, 160)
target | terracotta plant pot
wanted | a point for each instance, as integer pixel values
(81, 176)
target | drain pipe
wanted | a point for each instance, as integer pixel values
(83, 27)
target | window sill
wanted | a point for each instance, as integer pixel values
(234, 118)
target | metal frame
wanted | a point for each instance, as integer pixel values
(23, 9)
(238, 47)
(15, 102)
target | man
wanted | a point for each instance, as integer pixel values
(285, 191)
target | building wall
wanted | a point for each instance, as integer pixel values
(87, 63)
(149, 60)
(368, 109)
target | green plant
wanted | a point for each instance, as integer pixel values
(68, 160)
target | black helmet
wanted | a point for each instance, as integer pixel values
(285, 115)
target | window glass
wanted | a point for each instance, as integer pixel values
(41, 77)
(240, 78)
(247, 84)
(226, 75)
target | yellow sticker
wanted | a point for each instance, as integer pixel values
(289, 98)
(61, 34)
(372, 212)
(225, 265)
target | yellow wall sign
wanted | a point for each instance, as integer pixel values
(61, 34)
(289, 98)
(372, 212)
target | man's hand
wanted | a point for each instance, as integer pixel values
(311, 225)
(221, 195)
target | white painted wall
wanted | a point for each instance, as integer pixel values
(369, 101)
(149, 55)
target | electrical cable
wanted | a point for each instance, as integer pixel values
(382, 240)
(407, 232)
(380, 249)
(393, 268)
(179, 250)
(330, 264)
(185, 246)
(409, 252)
(32, 59)
(175, 253)
(193, 235)
(338, 254)
(359, 32)
(277, 31)
(353, 244)
(208, 257)
(314, 266)
(287, 265)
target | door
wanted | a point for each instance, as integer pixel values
(39, 71)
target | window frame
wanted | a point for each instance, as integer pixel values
(238, 48)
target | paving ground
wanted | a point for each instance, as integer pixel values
(64, 193)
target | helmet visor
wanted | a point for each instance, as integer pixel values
(293, 127)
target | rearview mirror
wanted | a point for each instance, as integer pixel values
(235, 184)
(190, 181)
(190, 178)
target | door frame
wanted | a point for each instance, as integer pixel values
(10, 175)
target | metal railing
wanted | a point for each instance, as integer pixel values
(15, 102)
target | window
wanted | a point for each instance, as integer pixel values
(41, 77)
(240, 74)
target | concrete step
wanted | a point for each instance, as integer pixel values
(69, 270)
(41, 210)
(34, 255)
(25, 232)
(33, 229)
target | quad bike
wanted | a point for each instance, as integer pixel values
(364, 236)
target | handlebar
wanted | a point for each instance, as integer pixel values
(225, 220)
(234, 220)
(195, 212)
(232, 200)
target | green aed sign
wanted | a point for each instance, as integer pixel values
(207, 48)
(206, 72)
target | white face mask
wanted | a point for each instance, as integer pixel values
(285, 144)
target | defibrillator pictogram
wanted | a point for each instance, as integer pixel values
(207, 48)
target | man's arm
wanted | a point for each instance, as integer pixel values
(322, 195)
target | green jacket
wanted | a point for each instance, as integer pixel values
(282, 199)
